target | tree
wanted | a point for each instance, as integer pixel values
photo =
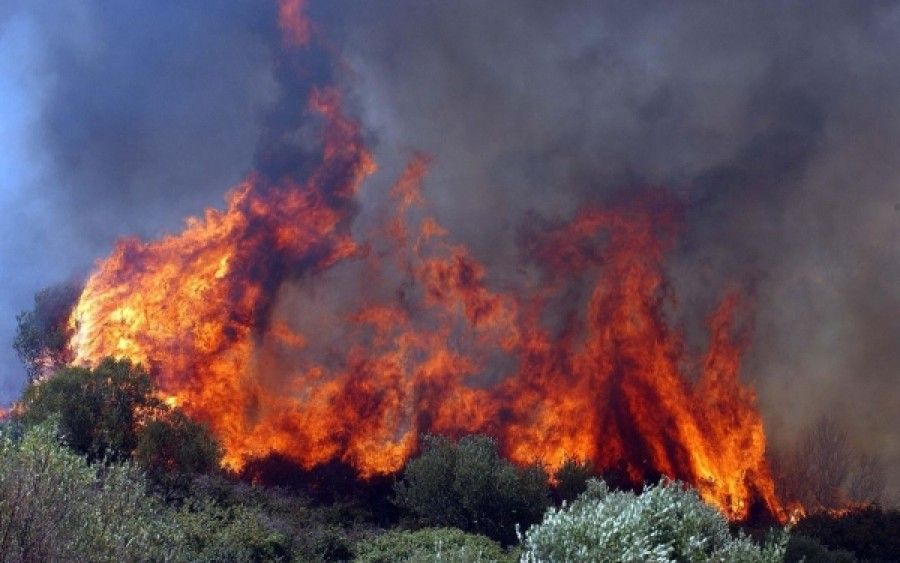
(113, 413)
(825, 471)
(468, 485)
(173, 443)
(571, 479)
(99, 411)
(42, 336)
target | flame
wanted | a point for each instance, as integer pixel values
(427, 344)
(610, 387)
(296, 29)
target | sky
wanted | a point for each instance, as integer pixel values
(110, 131)
(777, 124)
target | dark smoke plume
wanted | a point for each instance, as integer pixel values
(776, 124)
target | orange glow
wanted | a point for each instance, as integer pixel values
(295, 28)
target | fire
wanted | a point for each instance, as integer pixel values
(295, 27)
(427, 344)
(608, 387)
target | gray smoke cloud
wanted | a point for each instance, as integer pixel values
(776, 122)
(145, 113)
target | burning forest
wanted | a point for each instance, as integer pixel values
(611, 385)
(330, 312)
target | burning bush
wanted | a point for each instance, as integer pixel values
(667, 522)
(824, 471)
(468, 485)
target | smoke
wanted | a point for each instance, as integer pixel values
(139, 114)
(775, 123)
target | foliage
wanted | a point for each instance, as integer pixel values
(112, 413)
(805, 549)
(42, 333)
(173, 443)
(99, 411)
(209, 532)
(55, 506)
(430, 544)
(312, 533)
(571, 479)
(469, 486)
(664, 523)
(871, 534)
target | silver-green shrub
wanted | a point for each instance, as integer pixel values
(54, 506)
(666, 522)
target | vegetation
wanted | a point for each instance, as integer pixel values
(99, 411)
(804, 549)
(113, 413)
(431, 544)
(173, 443)
(871, 533)
(667, 522)
(571, 479)
(468, 485)
(42, 332)
(54, 506)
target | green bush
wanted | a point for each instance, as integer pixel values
(173, 443)
(667, 522)
(99, 411)
(113, 413)
(312, 533)
(571, 479)
(430, 544)
(208, 532)
(469, 486)
(54, 506)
